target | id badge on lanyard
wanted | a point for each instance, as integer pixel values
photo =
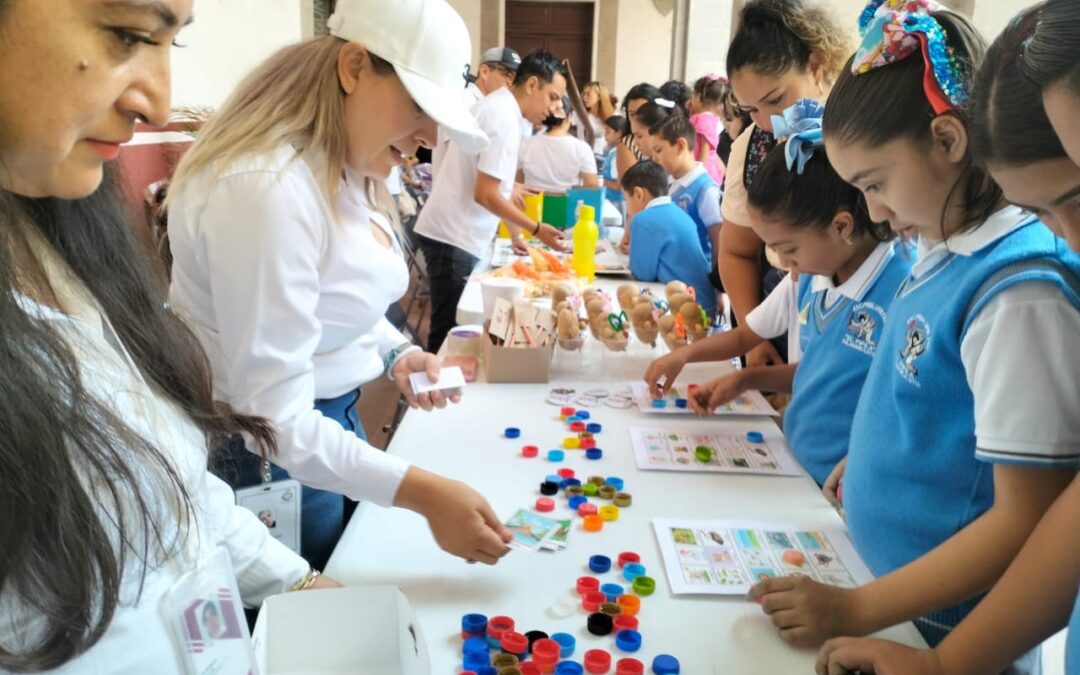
(277, 506)
(206, 620)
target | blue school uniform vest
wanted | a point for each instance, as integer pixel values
(687, 199)
(912, 479)
(838, 344)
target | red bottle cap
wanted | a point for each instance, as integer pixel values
(545, 504)
(546, 651)
(629, 667)
(565, 473)
(577, 426)
(586, 584)
(597, 661)
(591, 600)
(497, 625)
(514, 643)
(529, 668)
(586, 509)
(588, 443)
(566, 412)
(530, 451)
(627, 557)
(624, 622)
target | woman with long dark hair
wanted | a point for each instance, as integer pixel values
(106, 410)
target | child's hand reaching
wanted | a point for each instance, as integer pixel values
(881, 657)
(722, 390)
(831, 488)
(666, 367)
(806, 612)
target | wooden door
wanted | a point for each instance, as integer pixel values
(563, 28)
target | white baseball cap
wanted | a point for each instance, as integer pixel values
(428, 44)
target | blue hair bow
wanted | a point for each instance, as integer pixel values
(801, 124)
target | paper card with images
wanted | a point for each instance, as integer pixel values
(501, 318)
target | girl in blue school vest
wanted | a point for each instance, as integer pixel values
(848, 270)
(962, 421)
(1013, 136)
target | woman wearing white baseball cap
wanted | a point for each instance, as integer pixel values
(285, 269)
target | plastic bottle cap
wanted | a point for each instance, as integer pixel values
(545, 504)
(623, 499)
(556, 455)
(615, 482)
(586, 509)
(609, 512)
(529, 451)
(571, 442)
(644, 585)
(475, 660)
(681, 403)
(514, 643)
(569, 668)
(584, 434)
(486, 670)
(625, 622)
(606, 492)
(504, 660)
(512, 432)
(594, 453)
(529, 668)
(628, 640)
(612, 591)
(665, 664)
(566, 412)
(628, 557)
(590, 489)
(473, 624)
(593, 523)
(755, 437)
(574, 491)
(659, 403)
(583, 414)
(497, 625)
(599, 624)
(567, 482)
(611, 608)
(576, 501)
(597, 661)
(573, 418)
(630, 604)
(549, 488)
(703, 454)
(594, 427)
(546, 651)
(587, 443)
(475, 645)
(629, 667)
(565, 472)
(585, 584)
(596, 480)
(577, 426)
(591, 600)
(533, 636)
(631, 571)
(567, 642)
(599, 563)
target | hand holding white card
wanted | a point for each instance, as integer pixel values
(449, 378)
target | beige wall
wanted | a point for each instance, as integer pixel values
(643, 42)
(228, 39)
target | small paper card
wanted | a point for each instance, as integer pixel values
(450, 377)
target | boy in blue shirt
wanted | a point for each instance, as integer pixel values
(664, 244)
(692, 188)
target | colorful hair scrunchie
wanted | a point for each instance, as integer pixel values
(801, 124)
(892, 30)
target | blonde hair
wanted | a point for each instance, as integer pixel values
(295, 97)
(604, 107)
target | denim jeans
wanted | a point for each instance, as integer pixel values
(448, 269)
(322, 513)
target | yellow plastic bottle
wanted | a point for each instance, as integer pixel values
(586, 234)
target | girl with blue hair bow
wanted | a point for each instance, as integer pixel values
(844, 270)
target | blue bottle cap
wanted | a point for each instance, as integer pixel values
(659, 403)
(582, 414)
(576, 417)
(476, 660)
(556, 455)
(594, 427)
(576, 501)
(512, 432)
(615, 482)
(594, 453)
(600, 564)
(477, 645)
(631, 571)
(569, 668)
(681, 403)
(628, 640)
(566, 641)
(665, 664)
(474, 623)
(612, 591)
(554, 478)
(755, 437)
(567, 482)
(486, 670)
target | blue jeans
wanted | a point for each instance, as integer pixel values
(322, 513)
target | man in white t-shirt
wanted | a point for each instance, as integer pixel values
(498, 66)
(458, 222)
(557, 161)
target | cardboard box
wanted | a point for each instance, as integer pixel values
(527, 365)
(366, 630)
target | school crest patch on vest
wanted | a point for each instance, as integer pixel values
(864, 327)
(916, 341)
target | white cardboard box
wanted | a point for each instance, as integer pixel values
(365, 630)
